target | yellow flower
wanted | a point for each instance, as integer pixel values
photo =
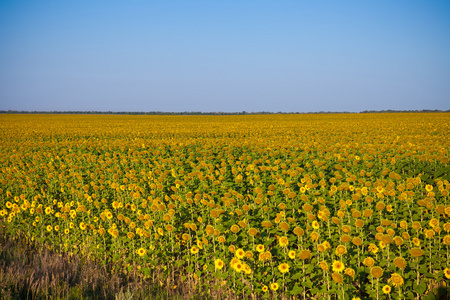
(265, 289)
(283, 241)
(337, 277)
(49, 228)
(274, 286)
(315, 224)
(260, 248)
(350, 272)
(283, 268)
(291, 254)
(373, 248)
(240, 253)
(218, 263)
(323, 265)
(141, 251)
(194, 250)
(340, 250)
(416, 252)
(396, 279)
(376, 272)
(400, 262)
(447, 273)
(368, 261)
(338, 266)
(386, 289)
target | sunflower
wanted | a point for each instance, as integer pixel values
(49, 227)
(194, 250)
(359, 223)
(337, 277)
(314, 236)
(218, 263)
(338, 266)
(274, 286)
(141, 251)
(376, 272)
(340, 250)
(345, 238)
(283, 241)
(260, 248)
(447, 273)
(447, 240)
(357, 241)
(416, 252)
(291, 254)
(396, 279)
(386, 289)
(350, 272)
(252, 231)
(283, 268)
(298, 231)
(304, 254)
(284, 226)
(368, 261)
(240, 253)
(265, 289)
(323, 265)
(315, 224)
(373, 248)
(400, 262)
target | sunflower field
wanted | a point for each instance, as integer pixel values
(315, 206)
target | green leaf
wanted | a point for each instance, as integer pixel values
(297, 276)
(421, 288)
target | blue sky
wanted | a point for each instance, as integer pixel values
(289, 56)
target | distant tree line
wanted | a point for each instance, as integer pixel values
(212, 113)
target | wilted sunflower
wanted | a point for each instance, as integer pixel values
(252, 231)
(340, 250)
(298, 231)
(314, 236)
(337, 277)
(357, 241)
(416, 252)
(376, 272)
(323, 265)
(400, 262)
(368, 261)
(350, 272)
(304, 254)
(284, 226)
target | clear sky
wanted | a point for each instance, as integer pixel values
(229, 56)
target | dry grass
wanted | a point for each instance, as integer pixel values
(32, 271)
